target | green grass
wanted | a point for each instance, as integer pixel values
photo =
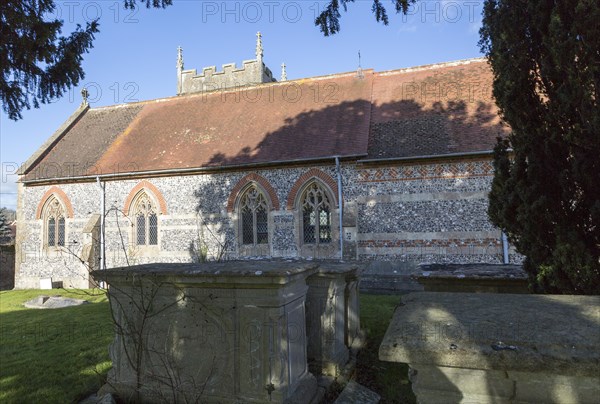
(61, 355)
(53, 355)
(389, 380)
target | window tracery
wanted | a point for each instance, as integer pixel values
(316, 215)
(54, 217)
(254, 217)
(145, 221)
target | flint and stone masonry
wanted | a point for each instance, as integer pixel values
(385, 218)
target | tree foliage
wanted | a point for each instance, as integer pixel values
(37, 63)
(545, 56)
(328, 20)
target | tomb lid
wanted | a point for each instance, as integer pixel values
(507, 332)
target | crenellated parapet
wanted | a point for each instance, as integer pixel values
(252, 72)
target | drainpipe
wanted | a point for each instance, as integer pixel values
(339, 184)
(102, 217)
(505, 248)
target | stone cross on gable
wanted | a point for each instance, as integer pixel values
(84, 94)
(283, 72)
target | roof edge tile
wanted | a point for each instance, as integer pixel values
(48, 144)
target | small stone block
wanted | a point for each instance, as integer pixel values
(355, 393)
(45, 283)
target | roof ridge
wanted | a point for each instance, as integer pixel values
(432, 66)
(230, 90)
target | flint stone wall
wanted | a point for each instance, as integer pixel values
(431, 212)
(497, 348)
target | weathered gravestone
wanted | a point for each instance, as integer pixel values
(498, 348)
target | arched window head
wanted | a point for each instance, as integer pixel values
(316, 215)
(253, 212)
(145, 221)
(54, 219)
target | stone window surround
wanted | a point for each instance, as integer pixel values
(300, 185)
(58, 194)
(317, 250)
(252, 250)
(326, 250)
(60, 212)
(268, 189)
(140, 208)
(152, 190)
(54, 193)
(316, 206)
(158, 202)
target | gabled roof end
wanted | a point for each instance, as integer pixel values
(83, 108)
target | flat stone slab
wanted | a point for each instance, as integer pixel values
(503, 332)
(263, 273)
(473, 278)
(355, 393)
(475, 271)
(53, 302)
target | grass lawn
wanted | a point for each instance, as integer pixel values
(61, 355)
(389, 380)
(53, 356)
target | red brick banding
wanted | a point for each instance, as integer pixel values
(264, 184)
(60, 195)
(455, 242)
(150, 188)
(305, 178)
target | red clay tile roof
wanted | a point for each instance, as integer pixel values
(432, 110)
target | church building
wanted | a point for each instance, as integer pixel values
(359, 166)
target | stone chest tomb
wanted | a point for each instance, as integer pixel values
(220, 332)
(497, 348)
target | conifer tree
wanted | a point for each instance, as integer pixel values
(328, 20)
(37, 63)
(545, 56)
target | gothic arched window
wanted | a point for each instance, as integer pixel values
(316, 215)
(54, 219)
(254, 217)
(145, 221)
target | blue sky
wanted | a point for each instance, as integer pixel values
(134, 55)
